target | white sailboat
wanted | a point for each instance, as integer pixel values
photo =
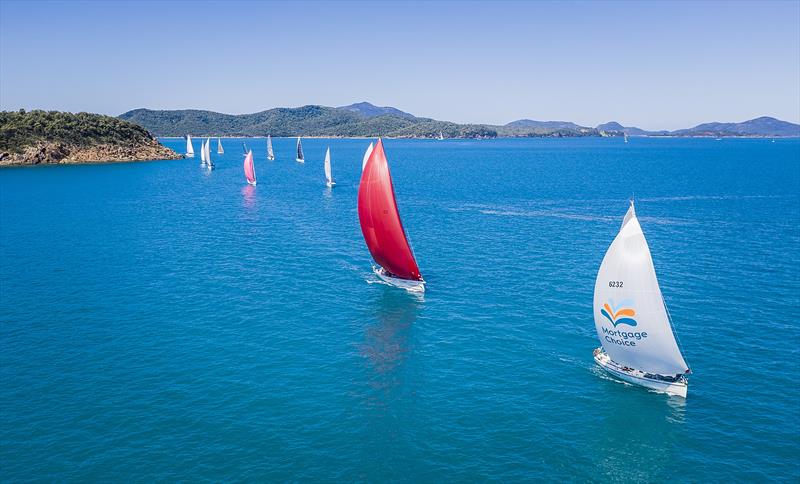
(300, 157)
(625, 135)
(631, 319)
(207, 152)
(189, 147)
(220, 151)
(270, 154)
(441, 136)
(328, 179)
(366, 156)
(202, 153)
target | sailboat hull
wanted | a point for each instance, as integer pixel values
(300, 161)
(407, 284)
(678, 388)
(331, 184)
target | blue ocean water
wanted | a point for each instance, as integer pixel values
(162, 322)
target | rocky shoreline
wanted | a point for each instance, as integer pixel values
(58, 153)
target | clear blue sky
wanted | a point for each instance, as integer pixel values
(650, 64)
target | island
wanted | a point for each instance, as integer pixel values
(54, 137)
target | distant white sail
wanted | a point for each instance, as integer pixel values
(208, 153)
(202, 152)
(366, 156)
(219, 147)
(328, 180)
(270, 154)
(629, 312)
(300, 157)
(189, 147)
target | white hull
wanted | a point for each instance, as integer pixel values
(190, 155)
(407, 284)
(271, 158)
(636, 377)
(300, 161)
(331, 184)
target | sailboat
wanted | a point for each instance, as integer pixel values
(625, 135)
(441, 136)
(328, 180)
(220, 151)
(381, 226)
(366, 156)
(207, 153)
(202, 153)
(249, 168)
(189, 147)
(300, 157)
(631, 318)
(270, 154)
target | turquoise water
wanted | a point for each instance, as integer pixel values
(161, 322)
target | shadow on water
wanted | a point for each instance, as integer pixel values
(386, 343)
(637, 436)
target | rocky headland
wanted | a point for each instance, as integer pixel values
(51, 137)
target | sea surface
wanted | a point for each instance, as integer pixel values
(159, 322)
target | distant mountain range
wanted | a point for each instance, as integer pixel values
(368, 120)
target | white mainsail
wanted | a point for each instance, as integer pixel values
(208, 153)
(202, 152)
(270, 154)
(328, 178)
(220, 151)
(629, 312)
(300, 157)
(366, 156)
(189, 147)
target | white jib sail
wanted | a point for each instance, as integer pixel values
(270, 154)
(328, 166)
(629, 312)
(189, 147)
(208, 152)
(366, 156)
(203, 152)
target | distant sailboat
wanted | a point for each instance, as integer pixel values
(249, 168)
(270, 154)
(328, 179)
(207, 152)
(366, 156)
(202, 153)
(631, 318)
(220, 151)
(626, 136)
(441, 136)
(189, 147)
(300, 157)
(381, 226)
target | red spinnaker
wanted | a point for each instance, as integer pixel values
(380, 220)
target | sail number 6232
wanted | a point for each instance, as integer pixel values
(614, 283)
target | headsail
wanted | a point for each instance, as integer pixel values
(189, 147)
(328, 178)
(202, 152)
(249, 168)
(208, 153)
(629, 312)
(366, 156)
(300, 156)
(270, 154)
(380, 219)
(219, 147)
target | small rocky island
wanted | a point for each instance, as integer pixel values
(53, 137)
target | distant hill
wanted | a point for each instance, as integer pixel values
(763, 126)
(370, 110)
(632, 131)
(367, 120)
(530, 123)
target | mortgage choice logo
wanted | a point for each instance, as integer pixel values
(617, 314)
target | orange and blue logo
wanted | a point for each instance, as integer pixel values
(619, 314)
